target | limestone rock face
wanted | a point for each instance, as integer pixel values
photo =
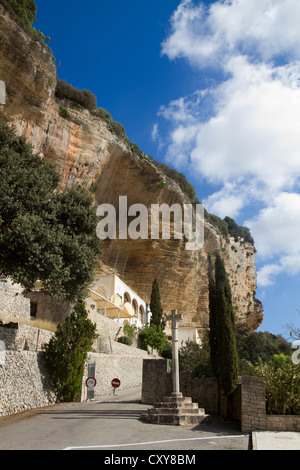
(86, 151)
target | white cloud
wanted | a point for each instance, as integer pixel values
(277, 227)
(229, 200)
(207, 35)
(243, 133)
(154, 133)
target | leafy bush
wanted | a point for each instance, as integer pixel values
(24, 9)
(196, 359)
(129, 331)
(218, 223)
(186, 187)
(237, 232)
(112, 125)
(84, 98)
(66, 352)
(282, 379)
(152, 336)
(64, 112)
(125, 340)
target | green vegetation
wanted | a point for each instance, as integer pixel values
(154, 337)
(186, 187)
(45, 235)
(24, 13)
(129, 335)
(157, 318)
(66, 353)
(84, 98)
(64, 112)
(112, 125)
(224, 359)
(282, 379)
(25, 10)
(228, 351)
(238, 232)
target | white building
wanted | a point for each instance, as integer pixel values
(115, 299)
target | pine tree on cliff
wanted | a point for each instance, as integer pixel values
(24, 9)
(222, 329)
(155, 306)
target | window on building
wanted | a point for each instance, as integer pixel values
(127, 298)
(33, 309)
(142, 314)
(135, 307)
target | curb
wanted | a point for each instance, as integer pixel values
(253, 440)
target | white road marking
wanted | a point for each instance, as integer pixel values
(110, 446)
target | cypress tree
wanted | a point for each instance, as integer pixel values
(155, 306)
(213, 339)
(67, 351)
(222, 325)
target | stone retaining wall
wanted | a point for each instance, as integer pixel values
(247, 405)
(283, 423)
(24, 382)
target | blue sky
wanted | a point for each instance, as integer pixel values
(211, 88)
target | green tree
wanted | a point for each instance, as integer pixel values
(154, 337)
(24, 9)
(156, 308)
(195, 358)
(253, 346)
(66, 352)
(45, 235)
(282, 379)
(222, 326)
(213, 319)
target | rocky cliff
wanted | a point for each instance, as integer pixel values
(86, 151)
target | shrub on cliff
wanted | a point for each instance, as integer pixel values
(67, 351)
(84, 98)
(45, 235)
(24, 9)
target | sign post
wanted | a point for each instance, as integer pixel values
(91, 383)
(115, 383)
(175, 356)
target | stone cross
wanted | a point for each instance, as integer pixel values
(2, 92)
(175, 357)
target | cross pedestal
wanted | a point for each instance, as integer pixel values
(175, 410)
(175, 356)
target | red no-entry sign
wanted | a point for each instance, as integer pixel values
(115, 383)
(91, 382)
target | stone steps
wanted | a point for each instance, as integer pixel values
(176, 411)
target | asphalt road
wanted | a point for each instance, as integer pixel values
(111, 424)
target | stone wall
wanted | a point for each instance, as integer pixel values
(24, 382)
(13, 305)
(126, 365)
(283, 423)
(247, 405)
(253, 404)
(19, 337)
